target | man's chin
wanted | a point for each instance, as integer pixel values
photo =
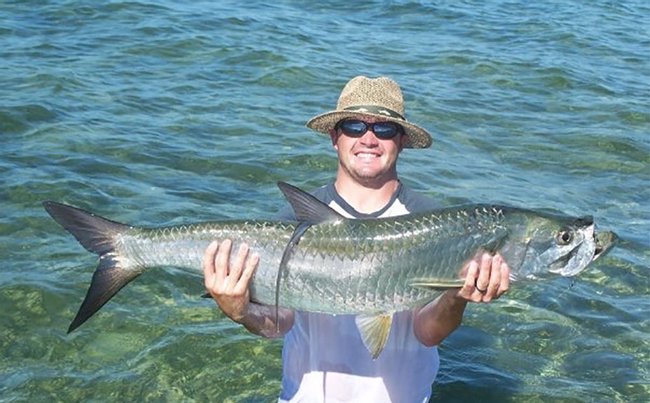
(371, 179)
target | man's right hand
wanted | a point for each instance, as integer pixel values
(228, 282)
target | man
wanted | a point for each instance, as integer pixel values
(324, 358)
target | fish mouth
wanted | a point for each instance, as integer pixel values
(604, 242)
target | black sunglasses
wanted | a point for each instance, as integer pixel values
(357, 128)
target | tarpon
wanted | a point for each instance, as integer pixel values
(326, 263)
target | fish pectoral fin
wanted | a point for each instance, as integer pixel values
(431, 283)
(497, 241)
(374, 330)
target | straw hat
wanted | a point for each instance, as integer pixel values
(372, 97)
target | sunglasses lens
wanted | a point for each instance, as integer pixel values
(385, 130)
(357, 128)
(353, 127)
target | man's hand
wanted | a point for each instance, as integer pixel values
(488, 278)
(228, 283)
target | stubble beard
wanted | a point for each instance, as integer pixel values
(373, 179)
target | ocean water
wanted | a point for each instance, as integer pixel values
(160, 113)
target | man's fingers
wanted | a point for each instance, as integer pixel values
(469, 288)
(483, 279)
(208, 264)
(505, 278)
(237, 265)
(495, 276)
(222, 260)
(487, 278)
(247, 273)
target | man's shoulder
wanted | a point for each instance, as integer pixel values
(406, 201)
(325, 193)
(416, 202)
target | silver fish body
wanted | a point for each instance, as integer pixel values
(326, 263)
(357, 266)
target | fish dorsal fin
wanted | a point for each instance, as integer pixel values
(439, 284)
(374, 330)
(306, 207)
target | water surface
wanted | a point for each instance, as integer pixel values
(158, 113)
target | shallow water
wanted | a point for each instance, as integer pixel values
(162, 113)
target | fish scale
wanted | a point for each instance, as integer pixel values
(376, 259)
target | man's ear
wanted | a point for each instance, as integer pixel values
(334, 136)
(403, 139)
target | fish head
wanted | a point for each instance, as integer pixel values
(560, 246)
(573, 247)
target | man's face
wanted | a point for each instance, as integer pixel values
(367, 159)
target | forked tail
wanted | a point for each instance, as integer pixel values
(97, 235)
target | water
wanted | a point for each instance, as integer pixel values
(162, 113)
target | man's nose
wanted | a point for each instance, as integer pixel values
(369, 137)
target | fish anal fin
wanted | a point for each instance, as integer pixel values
(374, 331)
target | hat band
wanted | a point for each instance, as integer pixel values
(375, 110)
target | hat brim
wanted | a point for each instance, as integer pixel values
(416, 137)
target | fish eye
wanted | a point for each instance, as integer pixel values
(564, 237)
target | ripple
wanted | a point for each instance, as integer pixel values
(176, 112)
(19, 119)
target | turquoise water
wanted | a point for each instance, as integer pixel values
(163, 113)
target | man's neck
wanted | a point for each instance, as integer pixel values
(366, 198)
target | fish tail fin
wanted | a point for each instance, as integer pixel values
(96, 234)
(108, 279)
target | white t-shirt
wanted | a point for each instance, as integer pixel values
(324, 358)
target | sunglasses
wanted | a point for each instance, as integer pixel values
(357, 128)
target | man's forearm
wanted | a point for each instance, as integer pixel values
(438, 319)
(261, 320)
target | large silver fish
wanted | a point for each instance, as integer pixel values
(327, 263)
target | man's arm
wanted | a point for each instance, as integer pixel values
(488, 277)
(228, 283)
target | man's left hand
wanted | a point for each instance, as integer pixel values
(488, 278)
